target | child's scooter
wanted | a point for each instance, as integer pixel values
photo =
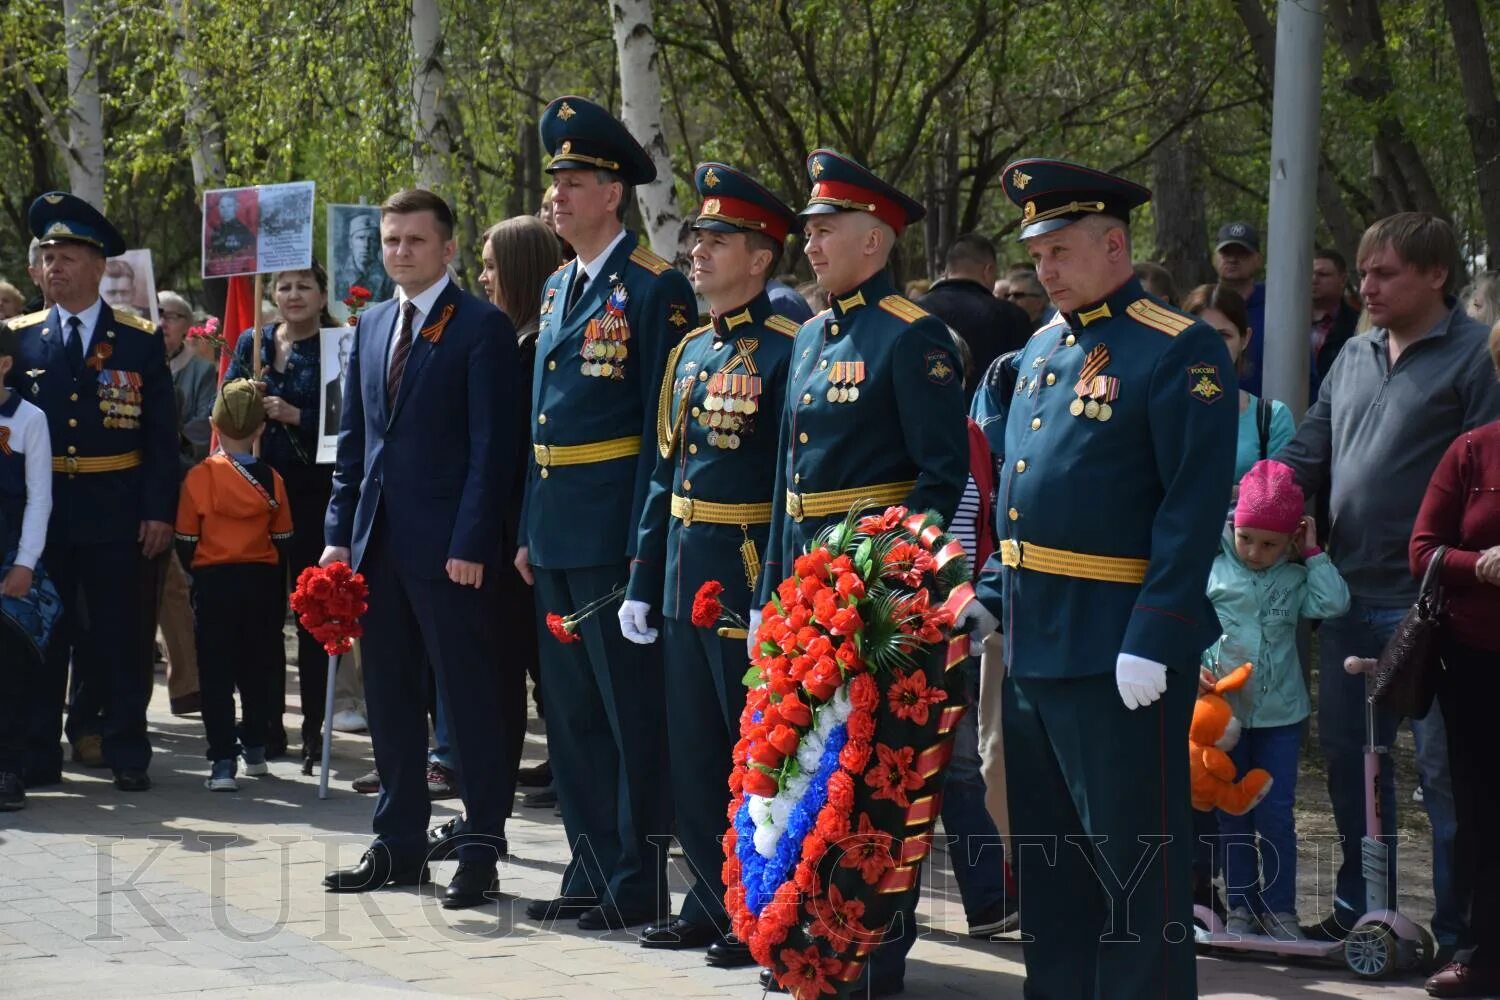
(1382, 940)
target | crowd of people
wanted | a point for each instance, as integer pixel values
(580, 436)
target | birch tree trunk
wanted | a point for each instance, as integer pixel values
(431, 129)
(204, 132)
(85, 152)
(640, 99)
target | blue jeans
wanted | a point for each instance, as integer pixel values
(1363, 631)
(1264, 880)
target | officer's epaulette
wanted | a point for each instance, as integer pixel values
(905, 308)
(1159, 317)
(17, 322)
(782, 325)
(563, 266)
(139, 322)
(650, 261)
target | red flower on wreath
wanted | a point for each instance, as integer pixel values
(794, 712)
(808, 974)
(893, 776)
(706, 604)
(877, 524)
(908, 562)
(869, 850)
(758, 782)
(838, 920)
(911, 696)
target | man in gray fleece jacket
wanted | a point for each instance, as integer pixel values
(1393, 401)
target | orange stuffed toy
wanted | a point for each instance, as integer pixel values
(1215, 731)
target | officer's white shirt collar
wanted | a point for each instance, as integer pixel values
(594, 267)
(424, 302)
(87, 319)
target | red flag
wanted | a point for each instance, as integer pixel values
(239, 316)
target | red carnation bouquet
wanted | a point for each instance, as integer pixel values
(564, 628)
(846, 731)
(329, 601)
(709, 612)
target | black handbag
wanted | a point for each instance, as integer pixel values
(1406, 677)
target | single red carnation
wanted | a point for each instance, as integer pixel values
(861, 728)
(864, 694)
(706, 605)
(856, 753)
(561, 628)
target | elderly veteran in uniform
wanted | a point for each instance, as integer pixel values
(608, 319)
(102, 379)
(1119, 450)
(874, 408)
(706, 518)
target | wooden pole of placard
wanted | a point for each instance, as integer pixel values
(255, 339)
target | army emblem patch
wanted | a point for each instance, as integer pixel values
(1020, 180)
(710, 179)
(566, 111)
(940, 368)
(677, 315)
(1203, 382)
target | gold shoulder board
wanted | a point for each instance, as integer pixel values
(18, 322)
(1168, 321)
(649, 260)
(903, 307)
(782, 325)
(139, 322)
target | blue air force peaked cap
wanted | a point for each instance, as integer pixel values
(731, 201)
(843, 185)
(1055, 193)
(61, 217)
(580, 135)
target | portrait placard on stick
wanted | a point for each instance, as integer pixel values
(257, 230)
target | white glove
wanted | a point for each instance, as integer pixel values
(1141, 681)
(633, 622)
(976, 620)
(750, 643)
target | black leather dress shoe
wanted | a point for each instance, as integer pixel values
(130, 779)
(729, 953)
(542, 798)
(376, 871)
(536, 776)
(608, 918)
(563, 907)
(442, 842)
(35, 777)
(677, 934)
(12, 792)
(472, 885)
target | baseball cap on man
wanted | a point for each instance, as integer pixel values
(1238, 233)
(239, 412)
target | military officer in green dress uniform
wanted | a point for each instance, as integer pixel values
(1118, 452)
(101, 378)
(706, 518)
(608, 319)
(874, 406)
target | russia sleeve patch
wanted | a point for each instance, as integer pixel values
(1204, 384)
(940, 367)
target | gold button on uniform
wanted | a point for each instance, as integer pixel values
(797, 478)
(1036, 423)
(1051, 379)
(72, 450)
(1070, 341)
(552, 366)
(696, 411)
(546, 473)
(806, 398)
(692, 449)
(833, 328)
(823, 364)
(74, 397)
(542, 419)
(802, 437)
(72, 422)
(1021, 465)
(687, 484)
(1013, 514)
(703, 376)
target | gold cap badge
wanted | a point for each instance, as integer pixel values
(1029, 212)
(566, 111)
(1020, 180)
(710, 179)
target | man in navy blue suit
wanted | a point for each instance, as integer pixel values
(425, 463)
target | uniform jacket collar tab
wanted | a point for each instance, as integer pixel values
(751, 315)
(867, 293)
(1111, 306)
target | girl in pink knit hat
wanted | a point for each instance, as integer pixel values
(1268, 576)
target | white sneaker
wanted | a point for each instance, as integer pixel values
(349, 721)
(1283, 927)
(1241, 923)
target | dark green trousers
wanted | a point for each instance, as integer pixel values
(1100, 812)
(606, 742)
(704, 699)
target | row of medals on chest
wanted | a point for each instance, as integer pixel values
(1095, 390)
(730, 400)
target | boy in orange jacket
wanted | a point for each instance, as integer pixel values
(232, 523)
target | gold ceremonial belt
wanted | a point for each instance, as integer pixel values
(72, 465)
(687, 511)
(801, 505)
(1080, 565)
(585, 454)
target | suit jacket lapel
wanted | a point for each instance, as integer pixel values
(378, 329)
(422, 348)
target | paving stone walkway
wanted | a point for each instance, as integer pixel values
(179, 890)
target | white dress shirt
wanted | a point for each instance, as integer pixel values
(87, 319)
(591, 269)
(424, 303)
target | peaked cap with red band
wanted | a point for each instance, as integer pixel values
(842, 185)
(734, 202)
